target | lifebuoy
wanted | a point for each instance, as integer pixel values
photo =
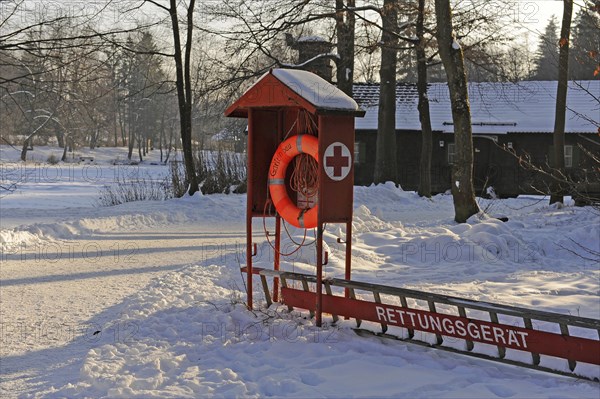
(287, 150)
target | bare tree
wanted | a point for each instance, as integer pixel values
(423, 106)
(183, 62)
(385, 158)
(451, 53)
(561, 98)
(345, 23)
(72, 73)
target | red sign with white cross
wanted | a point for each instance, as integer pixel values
(337, 161)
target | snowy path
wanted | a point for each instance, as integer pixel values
(55, 293)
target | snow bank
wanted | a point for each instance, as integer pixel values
(191, 337)
(188, 335)
(134, 216)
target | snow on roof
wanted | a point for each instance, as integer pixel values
(315, 89)
(496, 107)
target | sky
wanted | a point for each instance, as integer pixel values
(532, 16)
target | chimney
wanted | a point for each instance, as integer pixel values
(308, 48)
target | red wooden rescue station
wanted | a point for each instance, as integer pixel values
(293, 112)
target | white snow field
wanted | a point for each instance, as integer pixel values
(145, 299)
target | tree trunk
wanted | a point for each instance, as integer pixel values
(94, 138)
(170, 143)
(60, 138)
(24, 150)
(122, 126)
(130, 130)
(385, 157)
(64, 155)
(557, 191)
(130, 143)
(116, 126)
(451, 53)
(140, 146)
(161, 136)
(345, 21)
(424, 115)
(184, 92)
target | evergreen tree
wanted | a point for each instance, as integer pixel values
(546, 61)
(585, 52)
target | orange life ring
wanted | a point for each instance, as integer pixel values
(290, 148)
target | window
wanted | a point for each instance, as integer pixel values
(568, 156)
(450, 153)
(360, 152)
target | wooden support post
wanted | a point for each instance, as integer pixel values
(305, 288)
(249, 199)
(404, 303)
(353, 296)
(564, 330)
(285, 285)
(438, 338)
(319, 287)
(377, 297)
(276, 257)
(328, 291)
(463, 313)
(348, 272)
(265, 286)
(535, 357)
(501, 349)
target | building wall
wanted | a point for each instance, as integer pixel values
(492, 165)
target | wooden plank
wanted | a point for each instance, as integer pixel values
(513, 337)
(575, 321)
(255, 270)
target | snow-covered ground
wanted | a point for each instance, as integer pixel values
(145, 299)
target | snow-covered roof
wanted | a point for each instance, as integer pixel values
(294, 88)
(315, 89)
(496, 108)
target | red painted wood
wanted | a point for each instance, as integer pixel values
(336, 197)
(269, 92)
(535, 341)
(275, 112)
